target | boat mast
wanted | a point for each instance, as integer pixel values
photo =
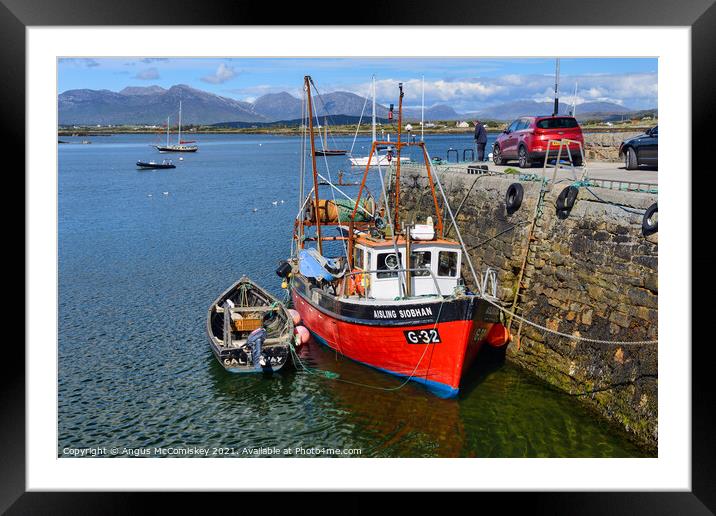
(422, 113)
(574, 100)
(316, 216)
(373, 108)
(167, 131)
(179, 135)
(556, 90)
(396, 223)
(325, 133)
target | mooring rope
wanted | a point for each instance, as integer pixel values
(512, 314)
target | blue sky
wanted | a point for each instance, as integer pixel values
(466, 84)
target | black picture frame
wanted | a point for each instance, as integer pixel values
(699, 15)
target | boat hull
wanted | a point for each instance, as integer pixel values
(391, 337)
(153, 166)
(176, 149)
(331, 152)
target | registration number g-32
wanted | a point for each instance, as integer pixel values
(429, 336)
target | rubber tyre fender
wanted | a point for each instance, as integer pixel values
(567, 198)
(513, 197)
(649, 226)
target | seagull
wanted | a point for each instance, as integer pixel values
(255, 210)
(165, 193)
(282, 201)
(275, 203)
(149, 195)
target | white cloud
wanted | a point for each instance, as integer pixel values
(637, 91)
(148, 74)
(223, 73)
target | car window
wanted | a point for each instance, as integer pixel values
(513, 125)
(524, 124)
(558, 123)
(655, 131)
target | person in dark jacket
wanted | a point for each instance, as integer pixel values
(480, 140)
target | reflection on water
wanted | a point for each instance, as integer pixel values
(138, 269)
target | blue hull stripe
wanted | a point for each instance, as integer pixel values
(441, 390)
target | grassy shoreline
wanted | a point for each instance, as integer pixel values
(336, 131)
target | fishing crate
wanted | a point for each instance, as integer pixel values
(247, 324)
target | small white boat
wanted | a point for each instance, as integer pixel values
(378, 159)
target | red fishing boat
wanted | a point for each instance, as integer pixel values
(396, 299)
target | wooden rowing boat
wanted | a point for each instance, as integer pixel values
(250, 308)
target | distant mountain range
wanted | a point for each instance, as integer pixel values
(151, 105)
(516, 109)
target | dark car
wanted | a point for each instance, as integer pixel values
(641, 150)
(526, 140)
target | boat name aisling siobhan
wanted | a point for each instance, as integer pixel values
(402, 314)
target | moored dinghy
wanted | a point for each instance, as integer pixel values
(258, 334)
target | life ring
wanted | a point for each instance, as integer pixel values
(513, 198)
(650, 224)
(565, 201)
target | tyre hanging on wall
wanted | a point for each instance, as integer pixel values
(513, 198)
(565, 201)
(650, 222)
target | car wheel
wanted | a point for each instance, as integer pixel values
(524, 160)
(497, 156)
(630, 162)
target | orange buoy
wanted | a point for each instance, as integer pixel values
(295, 316)
(498, 335)
(303, 334)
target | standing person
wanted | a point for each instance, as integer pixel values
(480, 140)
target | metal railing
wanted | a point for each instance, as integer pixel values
(622, 184)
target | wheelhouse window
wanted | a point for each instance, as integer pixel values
(388, 262)
(358, 258)
(420, 260)
(447, 263)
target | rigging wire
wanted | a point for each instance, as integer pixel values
(350, 152)
(328, 171)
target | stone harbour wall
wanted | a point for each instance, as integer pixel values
(593, 274)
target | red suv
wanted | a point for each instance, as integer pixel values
(526, 140)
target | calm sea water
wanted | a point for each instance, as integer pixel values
(142, 254)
